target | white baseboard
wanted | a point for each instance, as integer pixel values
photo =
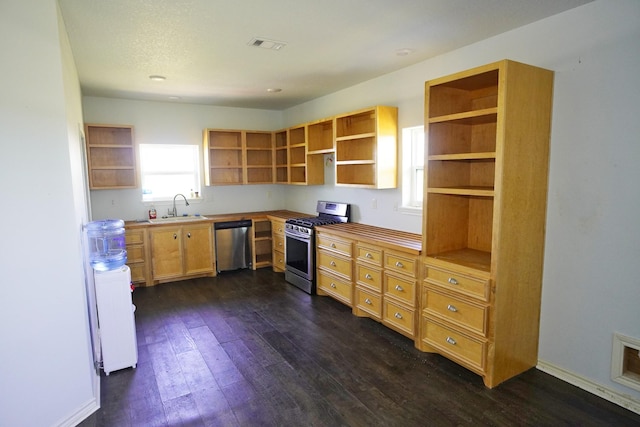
(614, 396)
(81, 414)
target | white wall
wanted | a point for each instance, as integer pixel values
(175, 123)
(45, 358)
(591, 287)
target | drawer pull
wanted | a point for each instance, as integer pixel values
(367, 300)
(397, 315)
(399, 264)
(175, 236)
(333, 245)
(279, 243)
(399, 288)
(189, 235)
(333, 285)
(368, 276)
(452, 308)
(332, 263)
(451, 341)
(452, 281)
(368, 255)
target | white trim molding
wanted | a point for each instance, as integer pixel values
(614, 396)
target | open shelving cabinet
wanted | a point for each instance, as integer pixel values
(111, 156)
(486, 163)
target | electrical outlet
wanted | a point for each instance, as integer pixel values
(268, 194)
(113, 202)
(374, 204)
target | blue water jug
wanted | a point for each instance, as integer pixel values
(106, 244)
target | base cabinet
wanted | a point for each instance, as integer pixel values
(136, 244)
(277, 248)
(179, 251)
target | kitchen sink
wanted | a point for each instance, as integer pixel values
(172, 219)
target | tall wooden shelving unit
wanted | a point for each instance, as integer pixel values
(281, 157)
(484, 216)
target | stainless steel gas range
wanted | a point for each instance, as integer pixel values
(300, 243)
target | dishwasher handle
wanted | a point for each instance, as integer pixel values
(232, 224)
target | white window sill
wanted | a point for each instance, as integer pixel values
(410, 210)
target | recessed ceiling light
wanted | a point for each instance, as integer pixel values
(157, 78)
(274, 90)
(404, 52)
(266, 43)
(174, 98)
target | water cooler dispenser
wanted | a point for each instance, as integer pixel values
(116, 318)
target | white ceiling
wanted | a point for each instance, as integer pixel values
(202, 46)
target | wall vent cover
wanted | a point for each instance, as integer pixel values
(266, 43)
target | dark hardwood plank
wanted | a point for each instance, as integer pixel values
(248, 349)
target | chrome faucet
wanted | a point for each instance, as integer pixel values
(175, 211)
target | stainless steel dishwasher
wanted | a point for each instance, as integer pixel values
(233, 245)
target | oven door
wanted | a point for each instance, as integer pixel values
(299, 255)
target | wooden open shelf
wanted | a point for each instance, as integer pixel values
(111, 156)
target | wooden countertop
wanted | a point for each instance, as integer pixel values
(279, 214)
(386, 237)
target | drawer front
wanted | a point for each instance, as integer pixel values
(335, 264)
(335, 287)
(368, 301)
(403, 289)
(369, 254)
(133, 237)
(368, 276)
(400, 264)
(471, 286)
(278, 261)
(469, 316)
(459, 347)
(137, 272)
(277, 228)
(401, 317)
(339, 246)
(278, 242)
(135, 253)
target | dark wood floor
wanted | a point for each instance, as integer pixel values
(248, 349)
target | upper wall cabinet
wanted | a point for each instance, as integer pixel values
(366, 144)
(111, 156)
(238, 157)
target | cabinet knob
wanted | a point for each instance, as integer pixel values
(175, 236)
(332, 263)
(368, 255)
(399, 264)
(279, 243)
(399, 288)
(333, 285)
(452, 308)
(333, 245)
(397, 315)
(368, 301)
(452, 281)
(368, 276)
(451, 341)
(188, 235)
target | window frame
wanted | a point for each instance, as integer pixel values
(413, 167)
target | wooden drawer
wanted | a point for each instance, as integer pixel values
(137, 272)
(133, 237)
(402, 264)
(457, 346)
(278, 242)
(135, 253)
(368, 301)
(343, 247)
(469, 316)
(277, 228)
(399, 317)
(335, 264)
(369, 254)
(402, 288)
(369, 276)
(335, 287)
(278, 261)
(454, 281)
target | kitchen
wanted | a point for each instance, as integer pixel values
(588, 48)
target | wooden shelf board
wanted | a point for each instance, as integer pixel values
(355, 162)
(356, 136)
(464, 156)
(471, 258)
(485, 115)
(463, 191)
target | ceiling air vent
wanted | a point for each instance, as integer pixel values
(266, 43)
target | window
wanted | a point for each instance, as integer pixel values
(412, 166)
(167, 170)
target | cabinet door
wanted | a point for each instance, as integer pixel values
(198, 249)
(166, 250)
